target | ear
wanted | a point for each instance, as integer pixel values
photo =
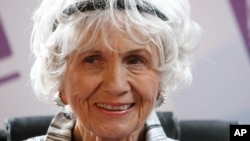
(57, 99)
(63, 96)
(160, 99)
(160, 94)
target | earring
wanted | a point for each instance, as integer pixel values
(160, 100)
(58, 100)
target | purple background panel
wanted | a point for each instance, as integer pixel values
(5, 51)
(240, 11)
(9, 77)
(4, 46)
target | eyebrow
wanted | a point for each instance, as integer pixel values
(125, 53)
(140, 51)
(81, 53)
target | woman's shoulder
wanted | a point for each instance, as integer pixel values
(42, 138)
(38, 138)
(169, 139)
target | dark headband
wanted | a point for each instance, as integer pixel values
(85, 6)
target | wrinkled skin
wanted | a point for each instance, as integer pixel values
(111, 92)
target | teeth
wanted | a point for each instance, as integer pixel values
(114, 108)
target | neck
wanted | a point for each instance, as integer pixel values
(82, 134)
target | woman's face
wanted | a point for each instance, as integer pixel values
(112, 92)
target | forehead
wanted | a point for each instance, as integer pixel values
(113, 39)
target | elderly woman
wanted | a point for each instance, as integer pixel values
(109, 63)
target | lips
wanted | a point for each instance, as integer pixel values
(108, 107)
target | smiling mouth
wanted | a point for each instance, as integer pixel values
(115, 108)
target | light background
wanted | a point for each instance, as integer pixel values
(221, 86)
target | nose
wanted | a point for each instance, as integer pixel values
(115, 80)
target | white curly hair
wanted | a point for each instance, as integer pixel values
(58, 29)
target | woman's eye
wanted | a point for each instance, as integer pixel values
(136, 60)
(92, 59)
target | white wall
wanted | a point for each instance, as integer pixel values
(16, 98)
(221, 73)
(221, 87)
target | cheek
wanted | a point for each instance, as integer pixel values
(77, 92)
(77, 88)
(146, 89)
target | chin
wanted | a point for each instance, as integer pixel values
(115, 132)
